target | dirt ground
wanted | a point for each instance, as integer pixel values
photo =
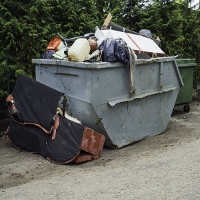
(166, 166)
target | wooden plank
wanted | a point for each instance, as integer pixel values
(107, 21)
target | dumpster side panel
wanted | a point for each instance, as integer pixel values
(107, 84)
(46, 74)
(135, 116)
(66, 79)
(146, 78)
(138, 119)
(99, 96)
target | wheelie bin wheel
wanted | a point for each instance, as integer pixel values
(186, 108)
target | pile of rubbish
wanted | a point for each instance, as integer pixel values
(111, 43)
(40, 119)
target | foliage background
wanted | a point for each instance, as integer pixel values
(26, 27)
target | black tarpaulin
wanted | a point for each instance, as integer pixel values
(63, 149)
(37, 103)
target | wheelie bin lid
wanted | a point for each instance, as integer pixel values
(186, 62)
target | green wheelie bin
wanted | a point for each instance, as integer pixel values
(186, 68)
